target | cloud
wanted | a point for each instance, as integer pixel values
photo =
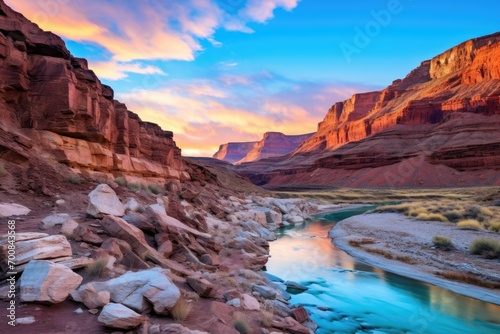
(112, 70)
(205, 113)
(144, 30)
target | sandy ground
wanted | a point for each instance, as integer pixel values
(410, 240)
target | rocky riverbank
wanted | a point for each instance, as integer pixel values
(186, 260)
(395, 243)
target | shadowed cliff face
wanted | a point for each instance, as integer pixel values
(445, 115)
(52, 101)
(233, 152)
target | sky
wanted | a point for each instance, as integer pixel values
(217, 71)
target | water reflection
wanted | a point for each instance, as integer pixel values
(356, 298)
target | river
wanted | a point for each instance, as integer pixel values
(346, 296)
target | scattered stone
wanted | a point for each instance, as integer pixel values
(93, 311)
(13, 209)
(280, 307)
(178, 329)
(119, 316)
(236, 302)
(92, 298)
(211, 260)
(84, 245)
(54, 220)
(265, 291)
(295, 286)
(290, 325)
(140, 221)
(232, 294)
(311, 325)
(44, 281)
(25, 321)
(60, 202)
(249, 302)
(202, 287)
(69, 227)
(78, 311)
(299, 314)
(131, 204)
(103, 201)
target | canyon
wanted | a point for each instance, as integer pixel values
(436, 127)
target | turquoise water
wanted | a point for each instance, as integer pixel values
(346, 296)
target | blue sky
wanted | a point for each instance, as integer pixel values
(215, 71)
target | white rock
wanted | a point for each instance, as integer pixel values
(25, 321)
(69, 227)
(236, 302)
(295, 219)
(44, 281)
(60, 202)
(13, 209)
(119, 316)
(103, 201)
(78, 311)
(132, 204)
(54, 220)
(249, 302)
(93, 298)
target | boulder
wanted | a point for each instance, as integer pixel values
(140, 221)
(265, 291)
(299, 314)
(232, 294)
(131, 204)
(120, 317)
(138, 290)
(291, 326)
(281, 308)
(13, 209)
(47, 282)
(68, 228)
(295, 286)
(54, 220)
(249, 302)
(236, 302)
(46, 247)
(202, 287)
(103, 201)
(93, 298)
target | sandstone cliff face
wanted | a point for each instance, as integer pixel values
(274, 144)
(52, 101)
(444, 116)
(233, 152)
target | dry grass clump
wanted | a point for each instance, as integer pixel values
(495, 226)
(379, 251)
(469, 224)
(468, 279)
(240, 323)
(266, 318)
(487, 247)
(74, 179)
(182, 308)
(359, 242)
(121, 181)
(97, 267)
(432, 217)
(442, 242)
(249, 274)
(154, 188)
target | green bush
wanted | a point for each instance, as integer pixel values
(137, 186)
(240, 323)
(442, 242)
(74, 179)
(121, 181)
(489, 248)
(154, 188)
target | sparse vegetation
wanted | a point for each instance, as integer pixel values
(74, 179)
(240, 323)
(432, 217)
(182, 309)
(468, 278)
(121, 181)
(154, 188)
(469, 224)
(382, 252)
(487, 247)
(495, 226)
(97, 267)
(136, 186)
(266, 318)
(442, 242)
(359, 242)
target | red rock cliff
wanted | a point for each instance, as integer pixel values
(52, 100)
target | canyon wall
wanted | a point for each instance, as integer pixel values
(52, 101)
(233, 152)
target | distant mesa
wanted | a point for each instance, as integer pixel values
(273, 144)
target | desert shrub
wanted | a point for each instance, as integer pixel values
(240, 323)
(74, 179)
(97, 267)
(154, 188)
(442, 242)
(266, 318)
(432, 217)
(359, 242)
(495, 226)
(136, 186)
(182, 309)
(486, 211)
(469, 224)
(121, 181)
(489, 248)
